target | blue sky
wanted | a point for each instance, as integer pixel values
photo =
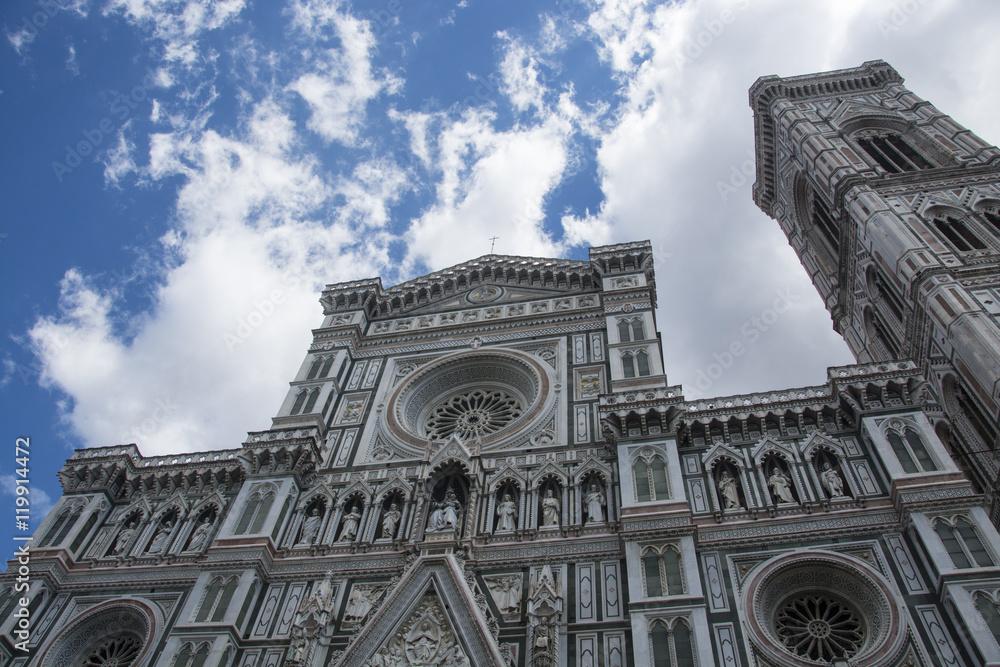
(172, 167)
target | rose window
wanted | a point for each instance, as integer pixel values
(473, 414)
(117, 652)
(807, 608)
(488, 395)
(819, 628)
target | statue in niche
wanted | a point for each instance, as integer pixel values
(310, 527)
(729, 491)
(390, 521)
(550, 510)
(124, 537)
(199, 536)
(445, 514)
(507, 514)
(351, 521)
(423, 641)
(781, 486)
(832, 481)
(594, 501)
(159, 541)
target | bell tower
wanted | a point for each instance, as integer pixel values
(894, 210)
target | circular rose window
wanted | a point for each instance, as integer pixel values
(817, 607)
(481, 395)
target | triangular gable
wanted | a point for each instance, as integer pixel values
(413, 624)
(722, 451)
(768, 445)
(452, 449)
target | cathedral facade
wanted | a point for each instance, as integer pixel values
(486, 466)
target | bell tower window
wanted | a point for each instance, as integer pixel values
(823, 220)
(894, 154)
(958, 234)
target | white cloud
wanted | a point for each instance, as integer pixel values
(118, 161)
(177, 26)
(344, 81)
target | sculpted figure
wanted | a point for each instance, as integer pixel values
(452, 508)
(390, 521)
(159, 541)
(436, 520)
(200, 534)
(350, 530)
(781, 486)
(507, 513)
(124, 537)
(310, 527)
(728, 490)
(550, 509)
(832, 481)
(595, 504)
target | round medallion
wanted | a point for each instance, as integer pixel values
(485, 294)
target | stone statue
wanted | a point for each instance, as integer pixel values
(124, 537)
(200, 534)
(781, 486)
(550, 510)
(351, 521)
(159, 541)
(310, 527)
(436, 519)
(594, 501)
(729, 491)
(445, 514)
(390, 521)
(507, 513)
(832, 481)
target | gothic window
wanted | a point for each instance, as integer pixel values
(893, 153)
(962, 543)
(642, 485)
(190, 657)
(911, 452)
(326, 367)
(988, 609)
(217, 598)
(630, 329)
(299, 402)
(67, 519)
(82, 535)
(314, 369)
(624, 331)
(650, 480)
(662, 571)
(642, 361)
(823, 220)
(255, 513)
(628, 365)
(311, 403)
(671, 645)
(635, 363)
(958, 234)
(993, 218)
